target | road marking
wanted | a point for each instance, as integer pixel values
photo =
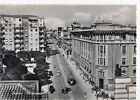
(64, 77)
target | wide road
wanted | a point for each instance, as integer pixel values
(61, 64)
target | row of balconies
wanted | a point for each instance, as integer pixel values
(20, 38)
(20, 28)
(16, 43)
(18, 33)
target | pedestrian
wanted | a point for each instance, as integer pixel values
(92, 89)
(85, 96)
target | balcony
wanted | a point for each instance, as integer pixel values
(42, 40)
(41, 36)
(2, 38)
(18, 38)
(2, 33)
(17, 48)
(41, 28)
(20, 28)
(42, 45)
(17, 35)
(41, 32)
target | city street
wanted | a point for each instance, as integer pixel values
(60, 82)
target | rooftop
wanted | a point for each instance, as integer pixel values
(18, 16)
(18, 90)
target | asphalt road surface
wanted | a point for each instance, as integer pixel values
(59, 82)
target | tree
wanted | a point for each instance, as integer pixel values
(40, 60)
(118, 71)
(14, 69)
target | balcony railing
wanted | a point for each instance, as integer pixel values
(42, 40)
(42, 45)
(18, 28)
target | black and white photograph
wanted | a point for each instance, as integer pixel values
(68, 52)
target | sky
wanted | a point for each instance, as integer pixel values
(64, 15)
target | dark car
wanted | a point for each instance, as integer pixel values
(71, 82)
(50, 73)
(51, 89)
(66, 90)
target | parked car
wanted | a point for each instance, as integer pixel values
(66, 90)
(51, 89)
(50, 73)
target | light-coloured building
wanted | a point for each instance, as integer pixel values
(124, 89)
(97, 52)
(23, 33)
(67, 42)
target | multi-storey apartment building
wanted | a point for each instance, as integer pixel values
(24, 33)
(97, 52)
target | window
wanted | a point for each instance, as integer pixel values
(124, 37)
(123, 61)
(20, 25)
(35, 29)
(104, 50)
(31, 30)
(36, 39)
(134, 49)
(31, 44)
(98, 60)
(104, 61)
(101, 49)
(101, 37)
(19, 19)
(101, 61)
(103, 73)
(109, 37)
(134, 72)
(124, 50)
(134, 60)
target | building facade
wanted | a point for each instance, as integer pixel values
(23, 33)
(97, 52)
(2, 38)
(67, 42)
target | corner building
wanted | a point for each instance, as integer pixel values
(99, 50)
